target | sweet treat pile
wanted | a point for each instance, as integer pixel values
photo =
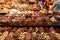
(30, 19)
(37, 33)
(27, 14)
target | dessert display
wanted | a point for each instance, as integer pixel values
(36, 18)
(27, 13)
(36, 33)
(29, 20)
